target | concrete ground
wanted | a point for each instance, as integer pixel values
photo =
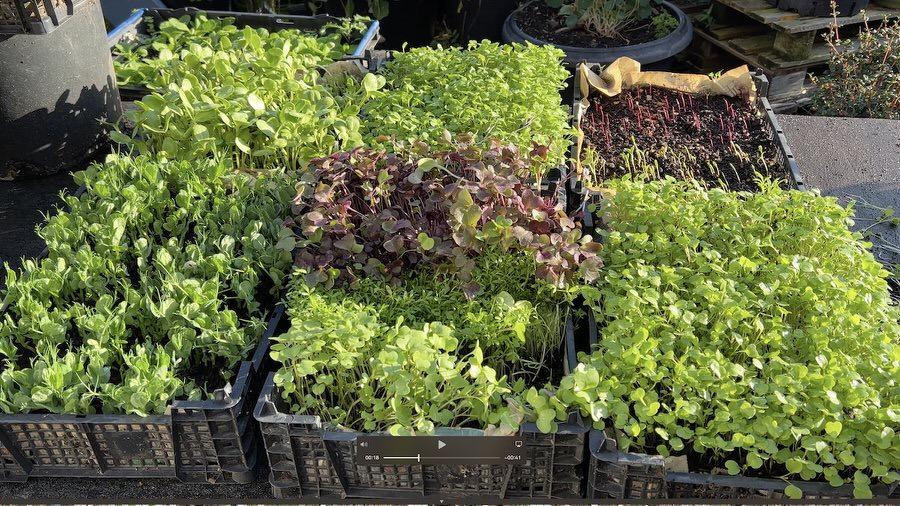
(854, 160)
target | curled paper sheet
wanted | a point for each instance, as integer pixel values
(626, 73)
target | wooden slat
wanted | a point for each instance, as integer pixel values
(749, 59)
(758, 60)
(791, 22)
(873, 12)
(819, 55)
(731, 32)
(759, 10)
(755, 44)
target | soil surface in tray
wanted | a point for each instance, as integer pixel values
(717, 140)
(544, 23)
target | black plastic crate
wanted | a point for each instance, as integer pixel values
(787, 162)
(614, 474)
(308, 459)
(137, 27)
(211, 441)
(36, 16)
(620, 475)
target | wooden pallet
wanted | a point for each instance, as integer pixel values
(788, 87)
(787, 47)
(791, 22)
(794, 37)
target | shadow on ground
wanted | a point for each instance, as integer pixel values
(21, 206)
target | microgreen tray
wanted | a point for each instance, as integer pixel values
(787, 165)
(137, 25)
(211, 441)
(614, 474)
(309, 459)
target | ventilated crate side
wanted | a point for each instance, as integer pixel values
(212, 441)
(715, 486)
(618, 475)
(307, 460)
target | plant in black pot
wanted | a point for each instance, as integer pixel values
(601, 31)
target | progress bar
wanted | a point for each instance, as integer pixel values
(451, 450)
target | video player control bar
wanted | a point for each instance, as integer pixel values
(449, 450)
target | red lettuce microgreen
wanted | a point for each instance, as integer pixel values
(372, 212)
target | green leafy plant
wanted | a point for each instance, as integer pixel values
(493, 91)
(146, 62)
(250, 97)
(154, 288)
(750, 332)
(863, 78)
(378, 213)
(606, 18)
(663, 24)
(419, 354)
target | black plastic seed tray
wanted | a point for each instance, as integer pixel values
(614, 474)
(140, 25)
(308, 459)
(36, 16)
(621, 475)
(211, 441)
(787, 163)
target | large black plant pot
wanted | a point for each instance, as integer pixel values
(58, 95)
(653, 52)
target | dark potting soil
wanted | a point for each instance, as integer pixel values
(544, 23)
(717, 140)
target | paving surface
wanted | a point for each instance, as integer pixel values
(854, 160)
(21, 205)
(151, 491)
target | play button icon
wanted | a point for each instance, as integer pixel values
(441, 444)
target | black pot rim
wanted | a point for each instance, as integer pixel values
(665, 47)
